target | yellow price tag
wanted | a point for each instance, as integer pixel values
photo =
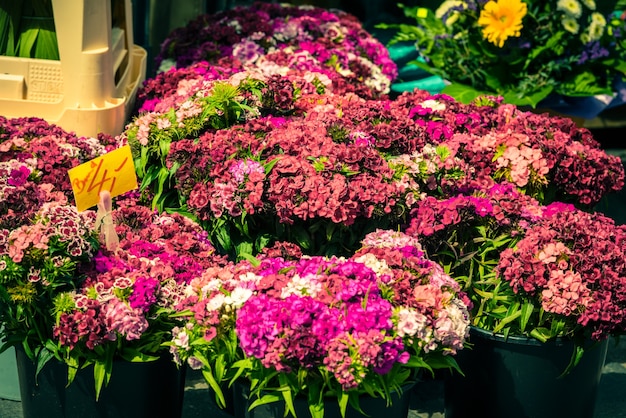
(113, 171)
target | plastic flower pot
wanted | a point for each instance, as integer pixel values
(9, 386)
(136, 390)
(520, 378)
(372, 407)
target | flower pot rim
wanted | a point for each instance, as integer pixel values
(516, 339)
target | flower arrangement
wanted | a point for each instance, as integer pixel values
(324, 326)
(524, 50)
(530, 270)
(299, 37)
(65, 295)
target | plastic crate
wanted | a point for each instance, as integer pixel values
(92, 88)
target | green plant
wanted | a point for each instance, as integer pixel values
(27, 29)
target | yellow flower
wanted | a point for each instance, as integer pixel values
(501, 19)
(597, 26)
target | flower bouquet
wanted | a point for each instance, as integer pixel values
(530, 52)
(265, 35)
(324, 328)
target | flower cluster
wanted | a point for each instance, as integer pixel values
(539, 270)
(299, 37)
(38, 260)
(523, 50)
(349, 320)
(124, 302)
(572, 264)
(549, 158)
(258, 159)
(34, 159)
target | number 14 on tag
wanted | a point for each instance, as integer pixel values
(114, 172)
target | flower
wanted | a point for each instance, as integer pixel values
(542, 271)
(269, 36)
(338, 325)
(530, 52)
(89, 305)
(502, 19)
(35, 157)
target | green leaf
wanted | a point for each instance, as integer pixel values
(464, 93)
(527, 311)
(207, 373)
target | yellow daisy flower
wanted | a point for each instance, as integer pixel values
(501, 19)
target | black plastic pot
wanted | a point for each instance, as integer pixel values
(519, 378)
(372, 407)
(136, 390)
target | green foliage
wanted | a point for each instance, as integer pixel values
(550, 54)
(27, 29)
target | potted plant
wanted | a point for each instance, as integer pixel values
(316, 336)
(74, 307)
(556, 55)
(546, 285)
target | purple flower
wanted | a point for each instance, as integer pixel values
(18, 176)
(144, 293)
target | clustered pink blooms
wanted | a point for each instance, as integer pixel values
(34, 159)
(58, 236)
(574, 264)
(126, 292)
(302, 38)
(549, 158)
(169, 88)
(348, 317)
(345, 159)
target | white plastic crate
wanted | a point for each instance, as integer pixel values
(92, 87)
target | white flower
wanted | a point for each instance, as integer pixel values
(181, 338)
(597, 26)
(410, 322)
(238, 297)
(378, 266)
(570, 25)
(216, 302)
(433, 104)
(307, 285)
(571, 7)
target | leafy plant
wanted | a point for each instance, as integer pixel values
(538, 49)
(27, 29)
